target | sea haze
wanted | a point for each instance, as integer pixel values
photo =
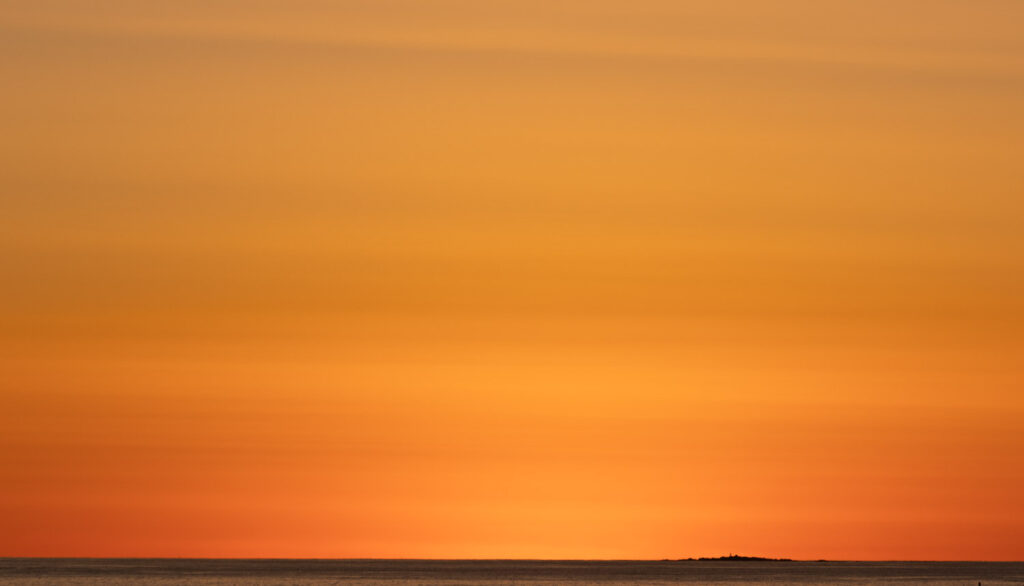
(431, 572)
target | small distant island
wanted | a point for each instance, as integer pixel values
(737, 558)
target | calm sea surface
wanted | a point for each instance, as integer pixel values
(433, 572)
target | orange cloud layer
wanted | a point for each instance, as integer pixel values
(530, 279)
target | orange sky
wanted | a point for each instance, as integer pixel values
(531, 278)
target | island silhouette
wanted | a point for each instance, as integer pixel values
(737, 558)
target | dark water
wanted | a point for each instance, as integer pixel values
(432, 572)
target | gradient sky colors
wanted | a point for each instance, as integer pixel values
(557, 278)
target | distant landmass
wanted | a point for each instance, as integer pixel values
(738, 558)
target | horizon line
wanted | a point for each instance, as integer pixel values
(491, 559)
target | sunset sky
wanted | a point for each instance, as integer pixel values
(512, 278)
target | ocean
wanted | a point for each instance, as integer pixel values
(293, 572)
